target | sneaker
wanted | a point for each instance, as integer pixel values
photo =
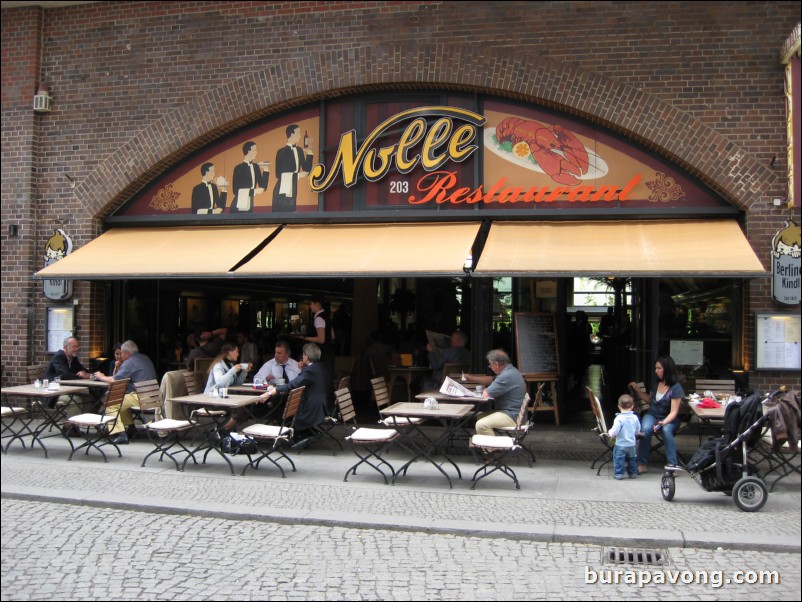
(121, 439)
(225, 445)
(633, 476)
(617, 478)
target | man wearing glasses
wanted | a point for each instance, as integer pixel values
(507, 390)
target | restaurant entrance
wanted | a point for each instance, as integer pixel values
(624, 323)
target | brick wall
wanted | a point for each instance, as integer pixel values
(138, 85)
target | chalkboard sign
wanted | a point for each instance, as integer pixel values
(536, 345)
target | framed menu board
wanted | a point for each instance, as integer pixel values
(536, 345)
(60, 325)
(777, 341)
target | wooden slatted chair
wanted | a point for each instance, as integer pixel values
(601, 429)
(521, 433)
(16, 421)
(270, 439)
(96, 427)
(374, 442)
(719, 386)
(454, 370)
(35, 371)
(381, 395)
(164, 433)
(195, 384)
(496, 449)
(202, 364)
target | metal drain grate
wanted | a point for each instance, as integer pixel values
(616, 555)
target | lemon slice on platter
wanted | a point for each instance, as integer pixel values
(521, 150)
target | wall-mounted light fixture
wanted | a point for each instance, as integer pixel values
(42, 100)
(467, 267)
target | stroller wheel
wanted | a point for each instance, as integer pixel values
(667, 487)
(750, 494)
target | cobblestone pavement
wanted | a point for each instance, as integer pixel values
(56, 551)
(562, 501)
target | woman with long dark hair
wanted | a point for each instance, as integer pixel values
(663, 414)
(225, 371)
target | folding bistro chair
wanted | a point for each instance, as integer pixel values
(521, 433)
(150, 407)
(16, 423)
(454, 369)
(601, 429)
(192, 381)
(373, 441)
(381, 395)
(270, 439)
(96, 427)
(34, 372)
(496, 449)
(164, 433)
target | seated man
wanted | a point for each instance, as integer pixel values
(507, 390)
(455, 354)
(65, 364)
(280, 366)
(138, 368)
(315, 405)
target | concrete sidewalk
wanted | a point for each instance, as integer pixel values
(561, 499)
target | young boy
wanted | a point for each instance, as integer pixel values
(625, 426)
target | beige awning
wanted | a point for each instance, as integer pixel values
(365, 250)
(619, 248)
(161, 252)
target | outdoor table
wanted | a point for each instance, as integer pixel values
(274, 406)
(408, 375)
(96, 387)
(212, 439)
(451, 415)
(709, 418)
(444, 397)
(52, 417)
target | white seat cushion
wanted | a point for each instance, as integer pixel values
(488, 441)
(363, 434)
(13, 411)
(205, 412)
(90, 419)
(265, 431)
(168, 424)
(400, 421)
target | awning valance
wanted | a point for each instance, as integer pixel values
(365, 250)
(619, 248)
(191, 251)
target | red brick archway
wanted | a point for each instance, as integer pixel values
(704, 153)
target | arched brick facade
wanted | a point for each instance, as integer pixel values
(706, 154)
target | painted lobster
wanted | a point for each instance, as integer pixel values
(558, 152)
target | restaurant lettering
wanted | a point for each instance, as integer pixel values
(445, 139)
(441, 187)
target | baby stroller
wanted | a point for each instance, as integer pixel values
(722, 464)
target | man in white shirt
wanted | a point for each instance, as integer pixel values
(281, 366)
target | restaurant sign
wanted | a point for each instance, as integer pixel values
(441, 142)
(57, 247)
(786, 280)
(387, 154)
